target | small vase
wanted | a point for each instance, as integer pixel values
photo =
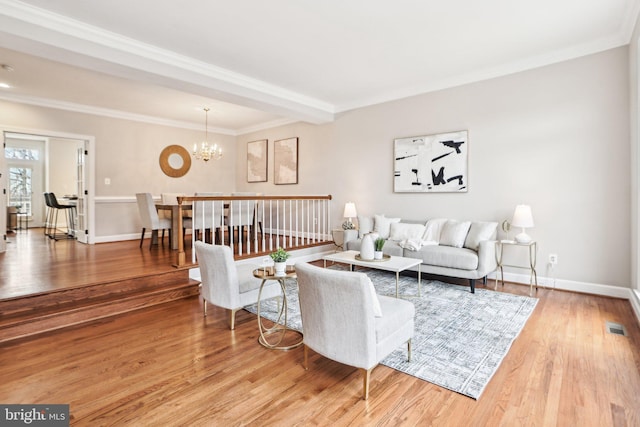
(366, 248)
(377, 255)
(280, 268)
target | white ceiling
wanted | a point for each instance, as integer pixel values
(258, 63)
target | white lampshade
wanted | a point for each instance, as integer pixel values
(350, 210)
(522, 218)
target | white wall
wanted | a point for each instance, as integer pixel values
(556, 138)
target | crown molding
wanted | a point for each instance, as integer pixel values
(87, 46)
(267, 125)
(106, 112)
(526, 64)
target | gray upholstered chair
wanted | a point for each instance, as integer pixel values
(342, 321)
(226, 285)
(149, 217)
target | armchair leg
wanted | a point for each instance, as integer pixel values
(204, 304)
(367, 376)
(409, 350)
(232, 319)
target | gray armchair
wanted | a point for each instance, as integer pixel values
(226, 285)
(339, 319)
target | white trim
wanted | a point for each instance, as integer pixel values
(106, 112)
(566, 285)
(634, 299)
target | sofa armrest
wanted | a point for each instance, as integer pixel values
(349, 235)
(487, 257)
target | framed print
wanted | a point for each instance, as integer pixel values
(285, 161)
(431, 163)
(257, 154)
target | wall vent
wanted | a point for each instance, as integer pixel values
(616, 329)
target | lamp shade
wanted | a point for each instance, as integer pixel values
(522, 217)
(350, 210)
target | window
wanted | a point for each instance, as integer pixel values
(20, 188)
(21, 153)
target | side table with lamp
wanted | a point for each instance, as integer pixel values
(522, 218)
(343, 235)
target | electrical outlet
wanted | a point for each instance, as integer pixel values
(553, 259)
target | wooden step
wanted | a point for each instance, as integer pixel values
(34, 314)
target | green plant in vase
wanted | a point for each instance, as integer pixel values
(280, 255)
(279, 258)
(378, 244)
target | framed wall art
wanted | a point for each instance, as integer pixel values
(285, 161)
(431, 163)
(257, 156)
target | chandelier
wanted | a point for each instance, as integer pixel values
(206, 151)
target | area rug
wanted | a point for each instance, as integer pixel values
(460, 338)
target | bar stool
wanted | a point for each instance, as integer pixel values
(69, 213)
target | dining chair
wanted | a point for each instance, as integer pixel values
(343, 319)
(208, 217)
(172, 199)
(150, 218)
(228, 285)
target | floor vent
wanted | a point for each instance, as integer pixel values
(616, 329)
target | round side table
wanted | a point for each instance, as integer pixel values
(279, 328)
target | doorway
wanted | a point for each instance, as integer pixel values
(32, 162)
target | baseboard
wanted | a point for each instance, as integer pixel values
(634, 299)
(117, 238)
(569, 285)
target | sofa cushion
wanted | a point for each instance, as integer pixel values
(402, 231)
(454, 233)
(478, 232)
(392, 248)
(446, 256)
(433, 230)
(365, 226)
(382, 225)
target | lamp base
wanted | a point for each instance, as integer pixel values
(348, 225)
(523, 238)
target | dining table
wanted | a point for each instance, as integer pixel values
(175, 228)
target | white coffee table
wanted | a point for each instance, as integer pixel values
(392, 263)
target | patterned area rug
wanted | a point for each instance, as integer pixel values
(460, 338)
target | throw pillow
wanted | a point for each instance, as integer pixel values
(365, 226)
(401, 231)
(377, 309)
(433, 230)
(382, 225)
(454, 233)
(478, 232)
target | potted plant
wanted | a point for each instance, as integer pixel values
(279, 258)
(378, 244)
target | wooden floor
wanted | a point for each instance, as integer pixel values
(170, 366)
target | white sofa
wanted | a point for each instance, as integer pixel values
(447, 247)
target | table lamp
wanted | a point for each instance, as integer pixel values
(522, 218)
(349, 212)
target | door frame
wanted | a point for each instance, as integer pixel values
(89, 176)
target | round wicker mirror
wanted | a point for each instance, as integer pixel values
(175, 161)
